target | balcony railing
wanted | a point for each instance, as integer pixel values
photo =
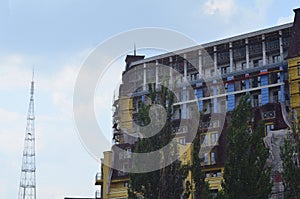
(98, 194)
(98, 176)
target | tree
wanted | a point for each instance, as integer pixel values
(201, 189)
(290, 157)
(259, 182)
(168, 181)
(246, 174)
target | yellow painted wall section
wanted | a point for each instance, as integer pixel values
(126, 109)
(118, 190)
(185, 153)
(294, 80)
(107, 161)
(186, 156)
(215, 182)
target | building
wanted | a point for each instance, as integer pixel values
(78, 198)
(294, 66)
(265, 64)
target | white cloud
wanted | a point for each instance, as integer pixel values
(13, 74)
(62, 89)
(11, 131)
(224, 8)
(6, 116)
(231, 17)
(233, 10)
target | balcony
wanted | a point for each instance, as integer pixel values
(98, 194)
(98, 179)
(122, 173)
(275, 99)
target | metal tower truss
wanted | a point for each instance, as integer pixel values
(27, 189)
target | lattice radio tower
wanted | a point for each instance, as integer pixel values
(27, 189)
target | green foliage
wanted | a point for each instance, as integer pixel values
(246, 174)
(168, 181)
(291, 169)
(201, 189)
(187, 190)
(220, 195)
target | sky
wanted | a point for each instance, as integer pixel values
(56, 37)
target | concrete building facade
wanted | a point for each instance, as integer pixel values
(264, 64)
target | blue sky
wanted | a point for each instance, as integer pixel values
(56, 37)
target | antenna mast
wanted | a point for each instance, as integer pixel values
(27, 189)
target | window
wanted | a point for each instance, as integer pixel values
(237, 85)
(213, 174)
(255, 82)
(275, 97)
(299, 86)
(275, 78)
(126, 184)
(223, 70)
(214, 138)
(182, 141)
(207, 174)
(269, 127)
(244, 65)
(205, 159)
(212, 71)
(255, 100)
(257, 63)
(276, 58)
(243, 85)
(298, 65)
(204, 140)
(127, 153)
(212, 158)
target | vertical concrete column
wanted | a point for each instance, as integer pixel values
(184, 94)
(247, 54)
(199, 95)
(108, 155)
(247, 82)
(185, 66)
(215, 93)
(156, 74)
(145, 77)
(280, 45)
(282, 97)
(230, 57)
(171, 70)
(200, 62)
(264, 50)
(215, 60)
